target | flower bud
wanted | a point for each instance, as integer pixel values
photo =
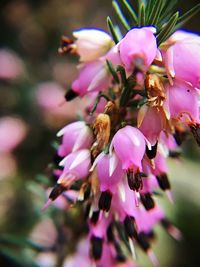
(76, 166)
(92, 43)
(76, 135)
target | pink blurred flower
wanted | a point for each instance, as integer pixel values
(11, 66)
(138, 43)
(12, 132)
(50, 97)
(8, 165)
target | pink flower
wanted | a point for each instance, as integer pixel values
(95, 76)
(151, 125)
(92, 43)
(138, 43)
(182, 58)
(11, 66)
(50, 97)
(76, 167)
(182, 101)
(108, 178)
(76, 135)
(12, 133)
(129, 145)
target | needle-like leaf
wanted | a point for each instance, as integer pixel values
(112, 30)
(187, 16)
(168, 28)
(120, 15)
(130, 11)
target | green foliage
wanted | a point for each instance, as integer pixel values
(158, 13)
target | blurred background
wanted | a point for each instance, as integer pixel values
(33, 81)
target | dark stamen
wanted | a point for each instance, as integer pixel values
(134, 181)
(163, 181)
(105, 200)
(130, 227)
(96, 247)
(143, 241)
(151, 154)
(110, 234)
(70, 95)
(95, 217)
(147, 201)
(56, 191)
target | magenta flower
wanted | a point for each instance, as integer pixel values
(133, 47)
(132, 151)
(182, 58)
(76, 166)
(95, 76)
(143, 98)
(152, 133)
(76, 135)
(108, 177)
(182, 101)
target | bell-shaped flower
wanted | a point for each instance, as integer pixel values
(138, 45)
(151, 125)
(182, 58)
(95, 76)
(109, 176)
(129, 145)
(92, 44)
(76, 166)
(76, 135)
(182, 101)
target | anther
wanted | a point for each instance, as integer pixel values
(96, 247)
(134, 180)
(95, 217)
(143, 241)
(163, 181)
(151, 154)
(70, 95)
(130, 226)
(147, 201)
(56, 191)
(105, 200)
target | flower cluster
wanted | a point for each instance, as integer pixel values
(145, 98)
